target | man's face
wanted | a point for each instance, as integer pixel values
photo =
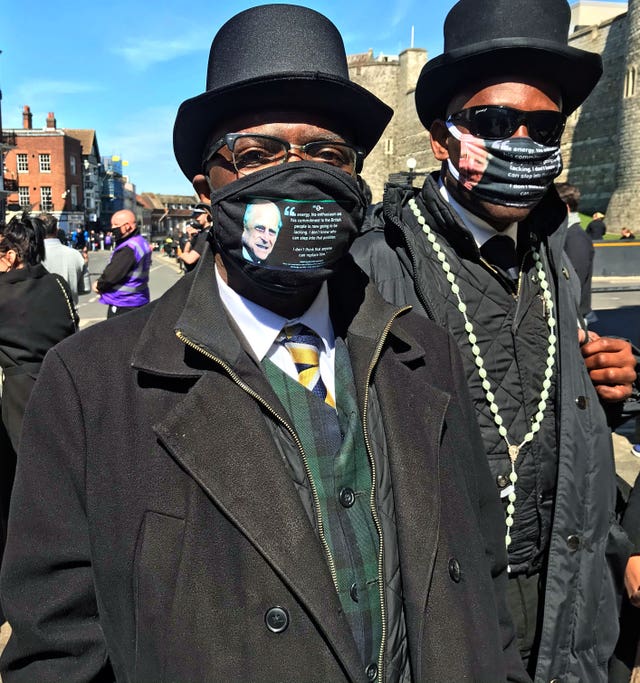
(261, 228)
(525, 95)
(202, 219)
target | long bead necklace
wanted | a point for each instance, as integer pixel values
(512, 448)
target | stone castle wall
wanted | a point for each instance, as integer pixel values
(624, 206)
(393, 81)
(591, 141)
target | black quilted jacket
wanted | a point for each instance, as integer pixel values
(586, 550)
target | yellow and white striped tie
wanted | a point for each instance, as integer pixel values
(304, 346)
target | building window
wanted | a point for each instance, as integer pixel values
(23, 196)
(388, 146)
(630, 79)
(74, 195)
(23, 163)
(72, 165)
(45, 163)
(45, 199)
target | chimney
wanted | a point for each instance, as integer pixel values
(26, 118)
(51, 120)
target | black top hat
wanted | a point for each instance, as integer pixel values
(488, 38)
(273, 57)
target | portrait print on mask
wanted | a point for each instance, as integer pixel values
(512, 172)
(262, 222)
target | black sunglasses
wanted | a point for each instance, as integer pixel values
(494, 122)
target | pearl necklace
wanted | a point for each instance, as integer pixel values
(512, 448)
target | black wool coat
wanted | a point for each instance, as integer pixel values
(155, 524)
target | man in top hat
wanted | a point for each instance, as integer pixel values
(479, 250)
(197, 229)
(259, 501)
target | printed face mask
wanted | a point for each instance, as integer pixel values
(513, 172)
(288, 226)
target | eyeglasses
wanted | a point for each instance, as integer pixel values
(495, 122)
(251, 153)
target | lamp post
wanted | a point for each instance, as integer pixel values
(411, 175)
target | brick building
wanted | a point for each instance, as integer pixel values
(45, 168)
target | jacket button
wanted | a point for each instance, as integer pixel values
(573, 542)
(347, 497)
(502, 480)
(353, 592)
(277, 619)
(565, 272)
(454, 570)
(372, 672)
(581, 402)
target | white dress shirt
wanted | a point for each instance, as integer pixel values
(479, 228)
(261, 328)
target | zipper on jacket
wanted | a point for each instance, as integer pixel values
(372, 500)
(314, 491)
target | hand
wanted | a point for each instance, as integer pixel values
(632, 580)
(94, 286)
(611, 365)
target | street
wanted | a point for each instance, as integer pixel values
(164, 273)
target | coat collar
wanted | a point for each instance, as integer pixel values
(192, 310)
(546, 223)
(22, 274)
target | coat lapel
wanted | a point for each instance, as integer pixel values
(243, 474)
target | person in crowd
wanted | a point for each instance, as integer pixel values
(479, 250)
(269, 474)
(198, 229)
(61, 259)
(36, 312)
(79, 240)
(626, 234)
(124, 283)
(578, 247)
(108, 240)
(597, 228)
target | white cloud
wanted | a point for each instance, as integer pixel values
(44, 89)
(401, 9)
(143, 53)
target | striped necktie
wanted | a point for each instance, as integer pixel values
(304, 346)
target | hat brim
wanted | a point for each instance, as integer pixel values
(357, 111)
(576, 72)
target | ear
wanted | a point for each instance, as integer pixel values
(201, 186)
(11, 256)
(439, 140)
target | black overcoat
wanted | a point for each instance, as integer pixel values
(155, 524)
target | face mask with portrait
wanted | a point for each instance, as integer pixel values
(288, 226)
(514, 172)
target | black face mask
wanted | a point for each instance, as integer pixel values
(287, 227)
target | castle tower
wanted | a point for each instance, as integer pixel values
(624, 206)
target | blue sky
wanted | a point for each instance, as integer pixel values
(123, 67)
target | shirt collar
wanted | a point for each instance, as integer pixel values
(479, 228)
(261, 327)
